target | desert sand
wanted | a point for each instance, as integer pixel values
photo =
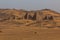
(29, 25)
(29, 33)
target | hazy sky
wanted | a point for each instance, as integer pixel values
(31, 4)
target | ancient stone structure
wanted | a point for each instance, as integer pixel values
(44, 17)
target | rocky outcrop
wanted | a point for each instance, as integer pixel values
(44, 17)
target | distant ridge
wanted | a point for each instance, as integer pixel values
(50, 10)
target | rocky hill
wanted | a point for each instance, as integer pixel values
(42, 18)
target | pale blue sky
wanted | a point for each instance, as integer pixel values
(31, 4)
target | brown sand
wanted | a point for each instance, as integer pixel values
(29, 33)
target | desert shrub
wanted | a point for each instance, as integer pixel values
(35, 32)
(0, 31)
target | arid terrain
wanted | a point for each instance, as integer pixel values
(29, 33)
(29, 25)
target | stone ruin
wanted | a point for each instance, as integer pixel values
(38, 16)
